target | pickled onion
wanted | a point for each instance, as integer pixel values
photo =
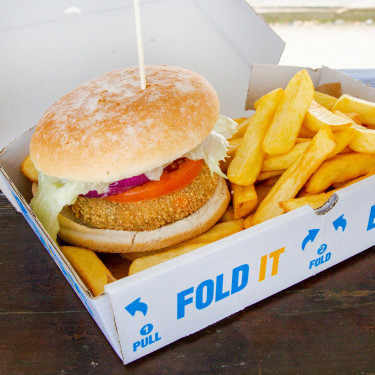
(119, 187)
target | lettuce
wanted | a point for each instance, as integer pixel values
(53, 194)
(214, 148)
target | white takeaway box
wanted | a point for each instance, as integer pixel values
(229, 44)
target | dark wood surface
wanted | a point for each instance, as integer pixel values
(324, 325)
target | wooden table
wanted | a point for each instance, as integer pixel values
(325, 325)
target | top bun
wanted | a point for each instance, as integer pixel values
(109, 129)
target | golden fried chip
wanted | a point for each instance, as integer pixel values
(339, 169)
(365, 109)
(217, 232)
(363, 140)
(286, 124)
(291, 182)
(247, 162)
(314, 201)
(327, 101)
(244, 200)
(317, 117)
(283, 161)
(29, 170)
(89, 268)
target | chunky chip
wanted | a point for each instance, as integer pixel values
(245, 166)
(283, 161)
(291, 182)
(341, 168)
(216, 233)
(363, 140)
(89, 268)
(244, 200)
(365, 109)
(29, 170)
(286, 124)
(317, 117)
(327, 101)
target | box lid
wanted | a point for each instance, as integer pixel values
(49, 49)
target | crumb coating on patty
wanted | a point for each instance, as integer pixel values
(148, 214)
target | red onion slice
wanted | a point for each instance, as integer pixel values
(119, 187)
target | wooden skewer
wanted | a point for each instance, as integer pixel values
(141, 60)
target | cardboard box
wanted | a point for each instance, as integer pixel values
(146, 311)
(65, 47)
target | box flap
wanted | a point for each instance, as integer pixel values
(265, 77)
(49, 53)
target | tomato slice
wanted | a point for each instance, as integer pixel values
(171, 180)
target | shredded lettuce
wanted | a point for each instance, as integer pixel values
(214, 148)
(53, 193)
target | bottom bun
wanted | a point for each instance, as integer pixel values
(76, 233)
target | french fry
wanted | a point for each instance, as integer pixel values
(244, 200)
(355, 117)
(269, 174)
(286, 124)
(351, 182)
(332, 89)
(317, 200)
(305, 133)
(364, 108)
(246, 164)
(327, 101)
(305, 139)
(346, 150)
(314, 201)
(262, 189)
(342, 139)
(239, 119)
(296, 175)
(148, 261)
(217, 232)
(249, 221)
(269, 181)
(241, 128)
(29, 170)
(363, 140)
(277, 162)
(234, 143)
(228, 215)
(340, 168)
(139, 254)
(317, 117)
(89, 268)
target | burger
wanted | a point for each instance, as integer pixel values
(121, 169)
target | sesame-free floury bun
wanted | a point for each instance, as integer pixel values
(123, 169)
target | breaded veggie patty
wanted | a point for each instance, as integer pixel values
(147, 214)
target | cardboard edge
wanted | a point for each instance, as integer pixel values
(90, 302)
(264, 77)
(5, 186)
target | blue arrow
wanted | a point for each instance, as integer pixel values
(135, 306)
(340, 222)
(310, 237)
